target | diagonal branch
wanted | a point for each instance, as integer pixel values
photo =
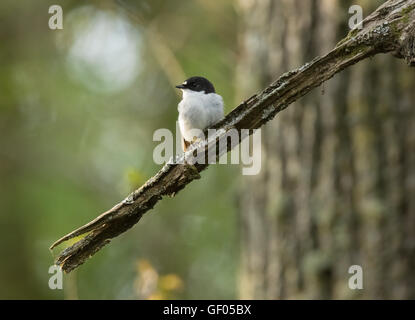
(390, 29)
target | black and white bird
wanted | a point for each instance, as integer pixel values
(200, 108)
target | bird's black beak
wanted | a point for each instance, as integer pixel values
(180, 86)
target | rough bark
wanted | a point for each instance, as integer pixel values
(390, 29)
(336, 186)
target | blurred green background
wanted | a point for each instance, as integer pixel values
(78, 108)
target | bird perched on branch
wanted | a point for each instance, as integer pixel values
(200, 108)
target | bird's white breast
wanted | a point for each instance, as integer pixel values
(198, 110)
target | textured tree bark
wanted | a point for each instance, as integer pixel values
(337, 183)
(390, 29)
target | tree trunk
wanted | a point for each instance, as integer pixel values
(337, 183)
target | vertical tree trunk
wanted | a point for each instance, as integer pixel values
(337, 186)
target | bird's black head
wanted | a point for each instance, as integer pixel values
(197, 84)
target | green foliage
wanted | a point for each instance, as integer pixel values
(70, 149)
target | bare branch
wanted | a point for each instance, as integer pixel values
(390, 29)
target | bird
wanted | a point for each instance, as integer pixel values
(200, 108)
